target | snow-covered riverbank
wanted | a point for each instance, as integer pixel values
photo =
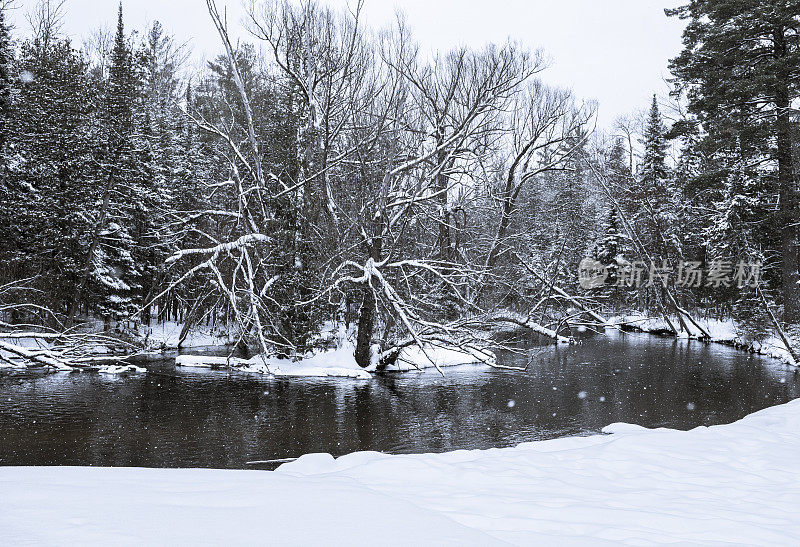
(721, 332)
(732, 484)
(341, 361)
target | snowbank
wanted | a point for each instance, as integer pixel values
(339, 362)
(414, 358)
(722, 332)
(732, 484)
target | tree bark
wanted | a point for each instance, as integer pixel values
(369, 307)
(442, 184)
(366, 328)
(788, 195)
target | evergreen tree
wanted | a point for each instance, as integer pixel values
(653, 169)
(740, 69)
(609, 250)
(622, 182)
(6, 56)
(655, 217)
(112, 275)
(50, 180)
(6, 193)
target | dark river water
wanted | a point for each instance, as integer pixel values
(200, 418)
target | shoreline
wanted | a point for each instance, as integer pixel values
(734, 483)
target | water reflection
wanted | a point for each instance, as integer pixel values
(198, 418)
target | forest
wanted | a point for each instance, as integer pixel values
(322, 173)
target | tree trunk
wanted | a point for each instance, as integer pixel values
(369, 307)
(366, 328)
(788, 194)
(442, 184)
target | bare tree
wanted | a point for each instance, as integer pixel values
(46, 20)
(384, 144)
(545, 129)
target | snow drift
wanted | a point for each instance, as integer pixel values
(732, 484)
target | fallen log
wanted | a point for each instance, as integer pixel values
(530, 325)
(43, 357)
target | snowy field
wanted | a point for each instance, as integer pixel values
(733, 484)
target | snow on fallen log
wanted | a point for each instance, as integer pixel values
(208, 361)
(120, 369)
(40, 356)
(61, 352)
(526, 323)
(31, 335)
(414, 358)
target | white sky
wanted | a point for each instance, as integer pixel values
(614, 51)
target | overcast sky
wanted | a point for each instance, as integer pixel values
(614, 51)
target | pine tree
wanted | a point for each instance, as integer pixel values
(112, 276)
(51, 176)
(740, 69)
(121, 86)
(6, 224)
(653, 170)
(609, 250)
(622, 181)
(6, 55)
(655, 217)
(737, 218)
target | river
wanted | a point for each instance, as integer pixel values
(176, 417)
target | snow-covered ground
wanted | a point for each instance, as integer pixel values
(339, 362)
(166, 335)
(724, 332)
(736, 484)
(157, 337)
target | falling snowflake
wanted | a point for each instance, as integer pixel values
(690, 406)
(26, 76)
(602, 399)
(582, 395)
(511, 403)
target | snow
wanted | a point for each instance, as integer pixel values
(732, 484)
(413, 358)
(207, 361)
(516, 320)
(120, 369)
(166, 335)
(339, 362)
(9, 359)
(721, 331)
